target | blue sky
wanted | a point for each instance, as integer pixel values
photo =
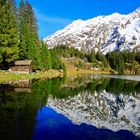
(53, 15)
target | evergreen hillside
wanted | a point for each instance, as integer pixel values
(125, 62)
(19, 37)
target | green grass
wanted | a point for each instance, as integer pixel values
(71, 70)
(7, 76)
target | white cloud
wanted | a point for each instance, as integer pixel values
(41, 16)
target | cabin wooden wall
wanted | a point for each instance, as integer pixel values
(21, 69)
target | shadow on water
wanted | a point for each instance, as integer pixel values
(24, 114)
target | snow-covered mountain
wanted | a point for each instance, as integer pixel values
(103, 33)
(104, 110)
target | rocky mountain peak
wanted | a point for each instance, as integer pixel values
(102, 33)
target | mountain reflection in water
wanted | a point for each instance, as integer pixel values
(84, 108)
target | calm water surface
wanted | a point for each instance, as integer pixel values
(82, 108)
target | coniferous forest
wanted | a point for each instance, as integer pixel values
(19, 37)
(126, 62)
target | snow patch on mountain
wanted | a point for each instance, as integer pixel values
(103, 33)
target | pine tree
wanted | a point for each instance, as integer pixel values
(116, 61)
(2, 3)
(55, 60)
(33, 41)
(8, 35)
(23, 31)
(101, 57)
(13, 7)
(119, 63)
(92, 57)
(29, 42)
(45, 56)
(137, 57)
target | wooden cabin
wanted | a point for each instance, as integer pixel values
(22, 66)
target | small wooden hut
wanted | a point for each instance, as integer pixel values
(22, 66)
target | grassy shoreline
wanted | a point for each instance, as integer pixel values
(7, 76)
(74, 72)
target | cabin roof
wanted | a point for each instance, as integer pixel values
(23, 62)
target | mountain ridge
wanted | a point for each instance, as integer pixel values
(102, 33)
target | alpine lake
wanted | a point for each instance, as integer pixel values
(92, 107)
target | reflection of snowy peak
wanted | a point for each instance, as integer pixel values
(104, 33)
(102, 110)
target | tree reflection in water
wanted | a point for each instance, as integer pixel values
(21, 101)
